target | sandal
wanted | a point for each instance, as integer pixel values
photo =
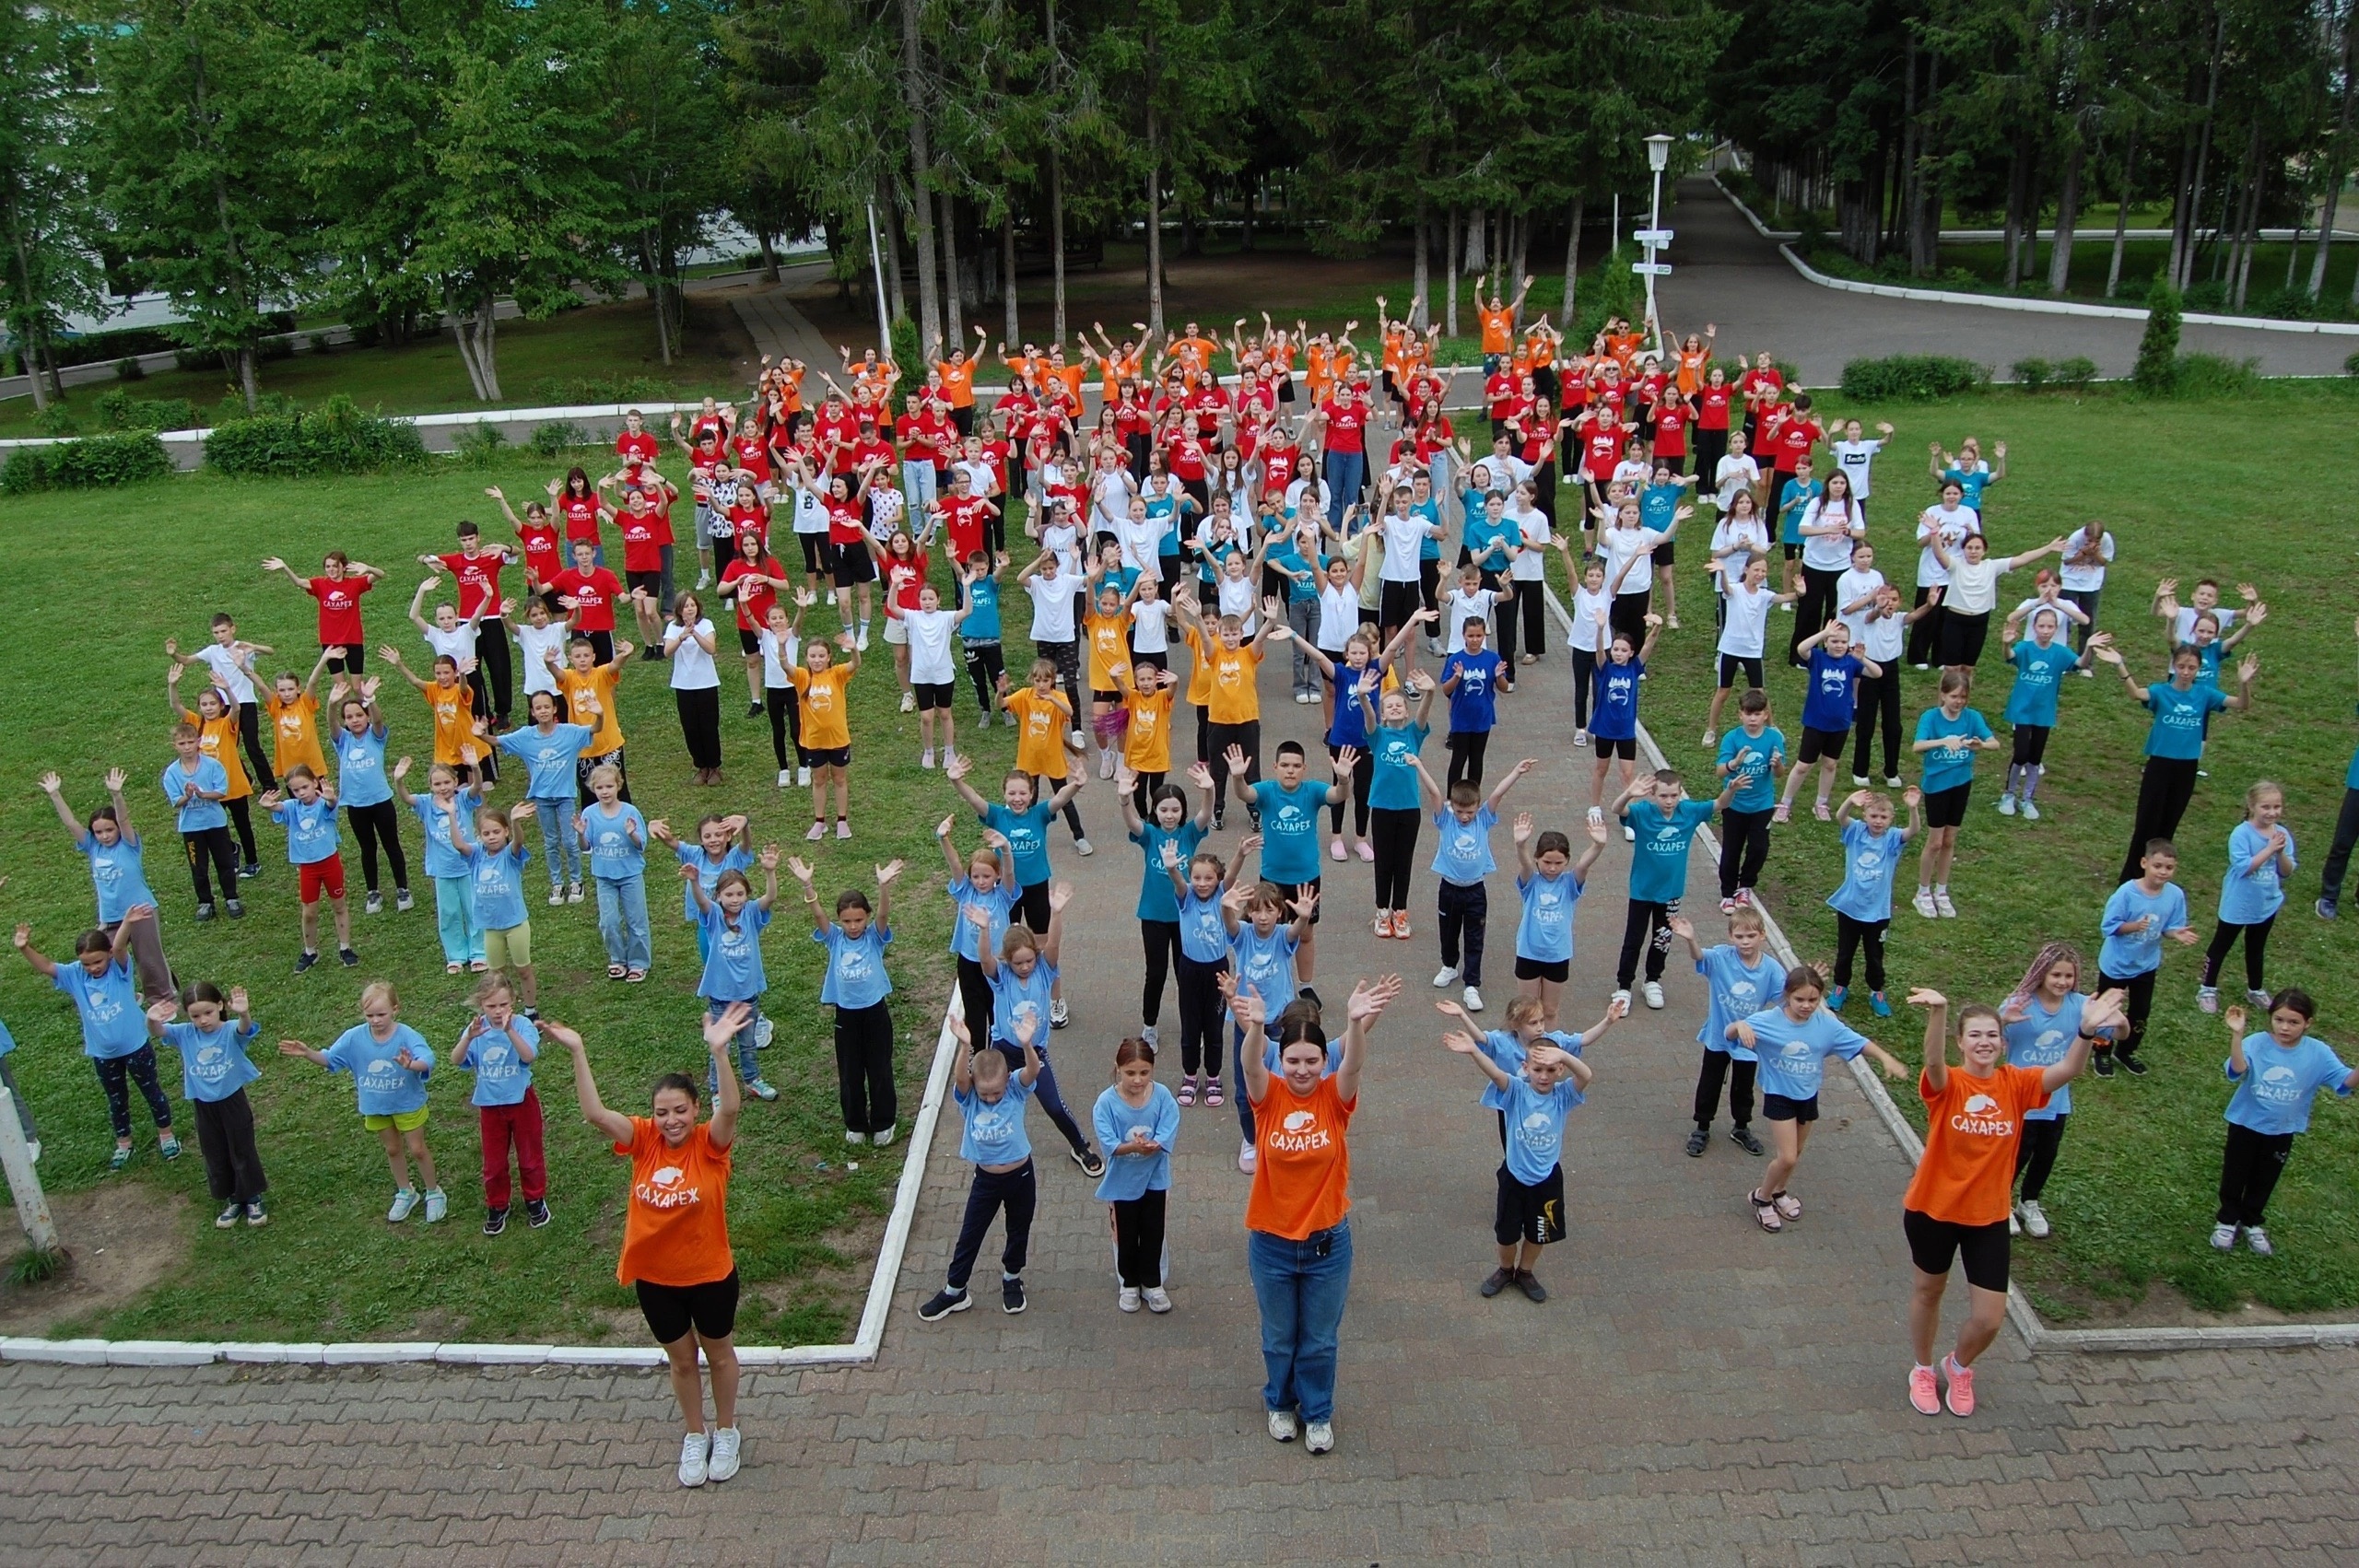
(634, 976)
(616, 971)
(1765, 1211)
(454, 968)
(1820, 812)
(1211, 1093)
(1187, 1091)
(1783, 813)
(478, 965)
(1792, 1208)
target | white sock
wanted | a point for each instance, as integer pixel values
(1942, 890)
(1924, 890)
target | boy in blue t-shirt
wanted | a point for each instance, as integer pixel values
(1742, 977)
(1750, 756)
(1530, 1210)
(197, 785)
(1462, 823)
(856, 986)
(990, 1097)
(2137, 918)
(2276, 1075)
(1831, 696)
(1471, 679)
(1288, 808)
(1663, 823)
(307, 810)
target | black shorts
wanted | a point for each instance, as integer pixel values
(1947, 808)
(1793, 552)
(710, 1309)
(1558, 970)
(829, 756)
(1817, 744)
(819, 556)
(1666, 551)
(1534, 1213)
(1933, 1243)
(1111, 699)
(853, 565)
(933, 694)
(748, 642)
(1032, 904)
(1731, 664)
(651, 581)
(1779, 1107)
(343, 657)
(1290, 890)
(1626, 748)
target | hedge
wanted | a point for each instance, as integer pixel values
(86, 465)
(335, 438)
(1913, 377)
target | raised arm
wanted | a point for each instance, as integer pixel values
(718, 1034)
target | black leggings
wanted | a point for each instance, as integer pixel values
(1851, 935)
(1717, 1066)
(138, 1067)
(987, 667)
(1363, 775)
(1199, 1016)
(2223, 937)
(2338, 859)
(699, 724)
(2249, 1167)
(224, 1136)
(1649, 926)
(1138, 1240)
(211, 854)
(1161, 940)
(1584, 676)
(974, 999)
(1466, 748)
(493, 669)
(1817, 607)
(2035, 1153)
(257, 759)
(241, 817)
(2138, 1001)
(1044, 1089)
(1246, 737)
(1393, 832)
(373, 826)
(2163, 789)
(1745, 848)
(1044, 789)
(1529, 610)
(1879, 699)
(1925, 634)
(784, 705)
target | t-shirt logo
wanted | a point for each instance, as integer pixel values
(1980, 1105)
(1295, 1121)
(103, 1008)
(851, 965)
(1536, 1131)
(211, 1063)
(1982, 1116)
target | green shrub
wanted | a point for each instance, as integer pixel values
(558, 436)
(572, 391)
(129, 368)
(1913, 377)
(2351, 366)
(2212, 294)
(905, 344)
(2214, 375)
(2076, 373)
(90, 464)
(57, 420)
(478, 445)
(2158, 348)
(118, 410)
(187, 358)
(318, 344)
(335, 438)
(2031, 374)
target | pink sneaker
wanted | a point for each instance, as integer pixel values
(1368, 850)
(1924, 1392)
(1961, 1387)
(1335, 850)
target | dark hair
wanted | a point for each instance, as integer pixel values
(104, 814)
(1290, 748)
(206, 990)
(223, 618)
(2298, 1000)
(1465, 792)
(1133, 1049)
(1300, 1022)
(92, 941)
(680, 1080)
(1552, 843)
(1804, 977)
(1754, 700)
(2159, 847)
(467, 529)
(1168, 792)
(853, 898)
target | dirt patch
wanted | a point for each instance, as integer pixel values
(121, 1238)
(2163, 1306)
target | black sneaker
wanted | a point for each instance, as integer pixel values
(402, 900)
(2131, 1065)
(205, 911)
(1696, 1140)
(305, 961)
(537, 1213)
(237, 909)
(2327, 908)
(753, 710)
(1092, 1163)
(348, 958)
(2101, 1063)
(944, 1302)
(1743, 1138)
(495, 1222)
(1011, 1296)
(1533, 1288)
(249, 873)
(1497, 1282)
(1311, 996)
(1220, 821)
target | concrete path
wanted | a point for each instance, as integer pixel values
(1694, 1392)
(1723, 271)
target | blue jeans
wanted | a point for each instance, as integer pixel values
(455, 918)
(622, 922)
(560, 846)
(918, 482)
(748, 1068)
(1301, 1286)
(1344, 474)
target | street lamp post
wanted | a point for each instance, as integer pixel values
(1658, 157)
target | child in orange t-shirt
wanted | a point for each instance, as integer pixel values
(1106, 635)
(1233, 703)
(1043, 721)
(215, 718)
(453, 706)
(823, 689)
(588, 689)
(294, 715)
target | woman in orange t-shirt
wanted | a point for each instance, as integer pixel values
(1298, 1245)
(1959, 1200)
(675, 1232)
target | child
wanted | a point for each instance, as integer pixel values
(454, 891)
(1948, 735)
(1744, 631)
(1740, 976)
(2182, 708)
(991, 1099)
(366, 793)
(390, 1063)
(1828, 703)
(1137, 1122)
(983, 881)
(117, 875)
(978, 639)
(926, 632)
(1023, 819)
(500, 1046)
(1392, 793)
(307, 814)
(1862, 904)
(1471, 679)
(452, 704)
(1233, 702)
(1265, 932)
(730, 921)
(2039, 666)
(2260, 856)
(1549, 882)
(588, 690)
(1359, 667)
(1146, 732)
(1199, 895)
(2139, 915)
(823, 687)
(856, 986)
(231, 660)
(1793, 1041)
(1882, 637)
(724, 844)
(2276, 1075)
(1023, 975)
(551, 753)
(338, 588)
(781, 650)
(1044, 720)
(614, 836)
(1750, 756)
(113, 1034)
(2043, 1018)
(496, 870)
(1613, 715)
(197, 785)
(1158, 909)
(1105, 630)
(1531, 1212)
(1462, 859)
(1288, 810)
(294, 721)
(214, 1071)
(1666, 823)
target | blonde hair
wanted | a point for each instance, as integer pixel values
(379, 990)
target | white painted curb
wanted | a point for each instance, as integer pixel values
(2035, 1333)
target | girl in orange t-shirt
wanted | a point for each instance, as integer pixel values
(1958, 1202)
(1298, 1244)
(675, 1232)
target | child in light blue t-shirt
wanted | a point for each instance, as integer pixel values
(856, 986)
(1549, 882)
(114, 1032)
(1463, 819)
(390, 1063)
(1862, 904)
(1742, 977)
(500, 1046)
(731, 940)
(1530, 1213)
(2277, 1073)
(1136, 1121)
(2261, 857)
(990, 1097)
(215, 1070)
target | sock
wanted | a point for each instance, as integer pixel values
(2012, 770)
(1924, 890)
(1924, 1367)
(1941, 888)
(2032, 771)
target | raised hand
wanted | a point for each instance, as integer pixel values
(719, 1032)
(1059, 894)
(1524, 827)
(1925, 996)
(886, 872)
(1369, 997)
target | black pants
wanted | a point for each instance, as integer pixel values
(1393, 833)
(2249, 1167)
(2086, 602)
(1925, 634)
(1138, 1240)
(1017, 1191)
(700, 723)
(1626, 616)
(257, 759)
(116, 1074)
(1044, 1089)
(1143, 789)
(210, 853)
(1584, 677)
(241, 817)
(1648, 927)
(1199, 1016)
(1067, 657)
(495, 666)
(1879, 699)
(2138, 1001)
(2163, 789)
(1466, 748)
(784, 705)
(2338, 859)
(1161, 940)
(2035, 1153)
(1745, 848)
(1042, 789)
(1465, 909)
(1246, 737)
(986, 667)
(2223, 937)
(224, 1136)
(1816, 608)
(1711, 447)
(1717, 1067)
(375, 826)
(1363, 777)
(1851, 936)
(974, 999)
(1529, 609)
(864, 1066)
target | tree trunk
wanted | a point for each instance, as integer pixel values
(1565, 317)
(1056, 241)
(1245, 231)
(954, 323)
(2338, 156)
(662, 318)
(1449, 264)
(1478, 260)
(2011, 243)
(1014, 332)
(897, 301)
(2202, 153)
(1421, 281)
(1154, 221)
(1925, 207)
(2121, 213)
(770, 252)
(2068, 217)
(921, 163)
(2249, 219)
(1516, 273)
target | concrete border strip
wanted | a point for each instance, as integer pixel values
(2035, 1332)
(877, 1307)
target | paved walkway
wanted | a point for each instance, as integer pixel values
(1724, 271)
(1694, 1391)
(779, 330)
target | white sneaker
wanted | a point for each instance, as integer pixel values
(437, 1206)
(1318, 1437)
(727, 1442)
(695, 1466)
(1146, 1032)
(1652, 990)
(1075, 742)
(1629, 833)
(2014, 1223)
(573, 893)
(556, 896)
(404, 1203)
(802, 775)
(1923, 903)
(860, 638)
(2006, 805)
(2031, 813)
(785, 777)
(2207, 999)
(2258, 998)
(909, 702)
(1282, 1426)
(1860, 780)
(1105, 764)
(2224, 1238)
(2035, 1219)
(1129, 1299)
(1622, 997)
(925, 758)
(1446, 977)
(764, 1032)
(1892, 782)
(881, 1139)
(1245, 1164)
(704, 579)
(1597, 814)
(851, 1137)
(1157, 1299)
(2258, 1239)
(1083, 846)
(1008, 719)
(1708, 738)
(1942, 903)
(1472, 999)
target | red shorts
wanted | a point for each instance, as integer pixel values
(322, 876)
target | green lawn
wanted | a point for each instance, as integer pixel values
(2182, 486)
(328, 1265)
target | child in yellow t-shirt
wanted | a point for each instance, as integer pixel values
(1146, 740)
(453, 706)
(823, 688)
(294, 715)
(587, 689)
(1233, 704)
(1105, 632)
(1043, 724)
